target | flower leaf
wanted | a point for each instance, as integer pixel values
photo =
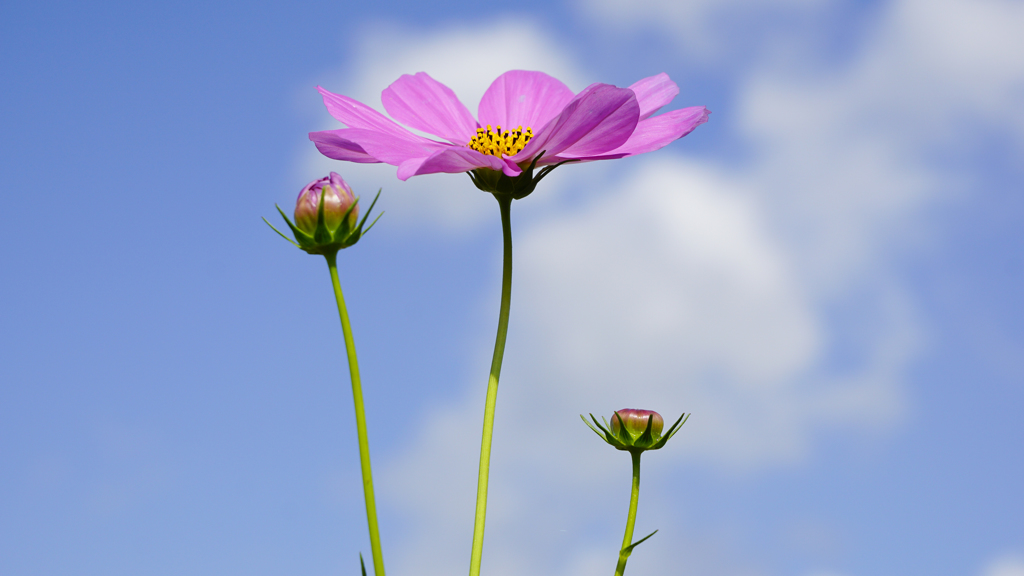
(629, 549)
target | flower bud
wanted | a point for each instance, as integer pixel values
(635, 430)
(337, 198)
(326, 217)
(635, 422)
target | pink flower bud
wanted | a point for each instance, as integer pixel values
(635, 422)
(628, 430)
(337, 198)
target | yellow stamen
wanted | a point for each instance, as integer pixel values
(498, 143)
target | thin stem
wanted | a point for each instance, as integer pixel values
(634, 497)
(357, 396)
(492, 387)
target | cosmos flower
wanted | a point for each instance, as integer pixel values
(525, 119)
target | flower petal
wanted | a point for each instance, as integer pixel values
(355, 114)
(451, 160)
(654, 92)
(390, 148)
(425, 104)
(600, 118)
(333, 145)
(511, 168)
(652, 134)
(407, 169)
(523, 98)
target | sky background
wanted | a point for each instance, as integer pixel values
(828, 275)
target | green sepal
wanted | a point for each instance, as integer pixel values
(303, 238)
(647, 438)
(589, 425)
(602, 434)
(671, 431)
(604, 428)
(525, 182)
(624, 436)
(323, 241)
(322, 235)
(548, 169)
(371, 225)
(281, 233)
(362, 565)
(516, 187)
(358, 229)
(345, 229)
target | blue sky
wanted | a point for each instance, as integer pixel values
(827, 275)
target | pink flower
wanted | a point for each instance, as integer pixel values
(526, 119)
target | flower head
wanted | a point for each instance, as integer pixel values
(635, 430)
(326, 216)
(525, 120)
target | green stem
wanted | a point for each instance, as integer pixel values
(357, 396)
(505, 202)
(631, 518)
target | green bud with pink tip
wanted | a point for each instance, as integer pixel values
(635, 430)
(338, 200)
(326, 216)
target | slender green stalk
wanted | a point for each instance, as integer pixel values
(492, 387)
(357, 396)
(634, 497)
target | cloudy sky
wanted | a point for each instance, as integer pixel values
(827, 275)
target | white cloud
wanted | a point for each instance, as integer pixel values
(671, 292)
(462, 57)
(951, 63)
(1009, 565)
(849, 152)
(706, 29)
(722, 289)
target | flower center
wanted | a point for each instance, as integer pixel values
(498, 143)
